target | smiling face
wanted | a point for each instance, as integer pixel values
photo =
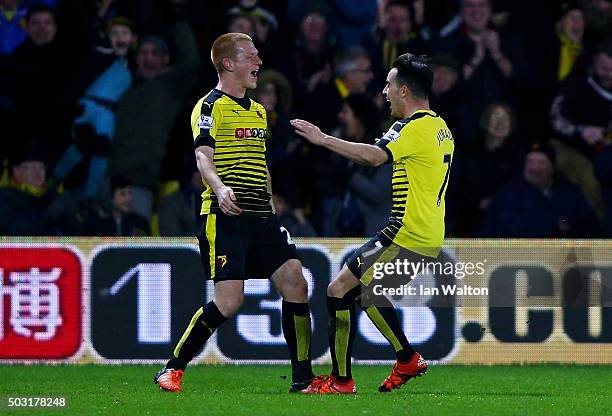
(602, 68)
(41, 28)
(572, 24)
(245, 65)
(499, 125)
(121, 38)
(538, 170)
(151, 60)
(476, 14)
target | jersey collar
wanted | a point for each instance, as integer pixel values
(244, 102)
(424, 112)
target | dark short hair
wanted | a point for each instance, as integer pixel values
(397, 3)
(414, 72)
(40, 8)
(605, 47)
(345, 60)
(119, 182)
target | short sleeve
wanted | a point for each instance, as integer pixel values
(397, 143)
(205, 118)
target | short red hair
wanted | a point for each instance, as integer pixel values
(226, 47)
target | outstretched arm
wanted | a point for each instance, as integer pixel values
(364, 154)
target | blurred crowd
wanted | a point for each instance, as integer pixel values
(95, 97)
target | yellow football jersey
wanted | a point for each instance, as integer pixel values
(237, 129)
(421, 150)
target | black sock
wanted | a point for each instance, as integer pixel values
(202, 325)
(342, 329)
(384, 316)
(297, 331)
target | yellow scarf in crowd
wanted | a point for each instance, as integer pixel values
(568, 55)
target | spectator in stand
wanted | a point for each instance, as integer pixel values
(179, 211)
(264, 19)
(570, 32)
(395, 37)
(241, 24)
(598, 16)
(147, 112)
(310, 58)
(580, 117)
(447, 92)
(353, 20)
(84, 23)
(13, 22)
(336, 200)
(265, 29)
(12, 17)
(492, 62)
(366, 204)
(25, 204)
(352, 75)
(540, 203)
(480, 171)
(274, 93)
(107, 76)
(555, 51)
(39, 67)
(297, 225)
(603, 171)
(115, 217)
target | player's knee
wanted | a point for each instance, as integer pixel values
(229, 305)
(336, 289)
(295, 287)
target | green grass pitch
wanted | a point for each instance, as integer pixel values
(262, 390)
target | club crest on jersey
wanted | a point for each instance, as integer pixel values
(205, 122)
(221, 261)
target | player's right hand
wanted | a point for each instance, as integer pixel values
(227, 201)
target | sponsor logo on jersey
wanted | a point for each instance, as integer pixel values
(248, 132)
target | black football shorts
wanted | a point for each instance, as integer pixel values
(243, 247)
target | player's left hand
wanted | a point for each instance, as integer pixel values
(308, 131)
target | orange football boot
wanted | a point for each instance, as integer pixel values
(330, 385)
(402, 372)
(169, 379)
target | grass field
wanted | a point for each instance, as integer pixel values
(262, 390)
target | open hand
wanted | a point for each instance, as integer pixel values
(227, 201)
(592, 134)
(308, 131)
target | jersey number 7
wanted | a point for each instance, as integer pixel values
(447, 160)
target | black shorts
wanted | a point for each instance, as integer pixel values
(243, 247)
(362, 262)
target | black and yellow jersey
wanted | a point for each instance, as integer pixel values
(236, 129)
(421, 150)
